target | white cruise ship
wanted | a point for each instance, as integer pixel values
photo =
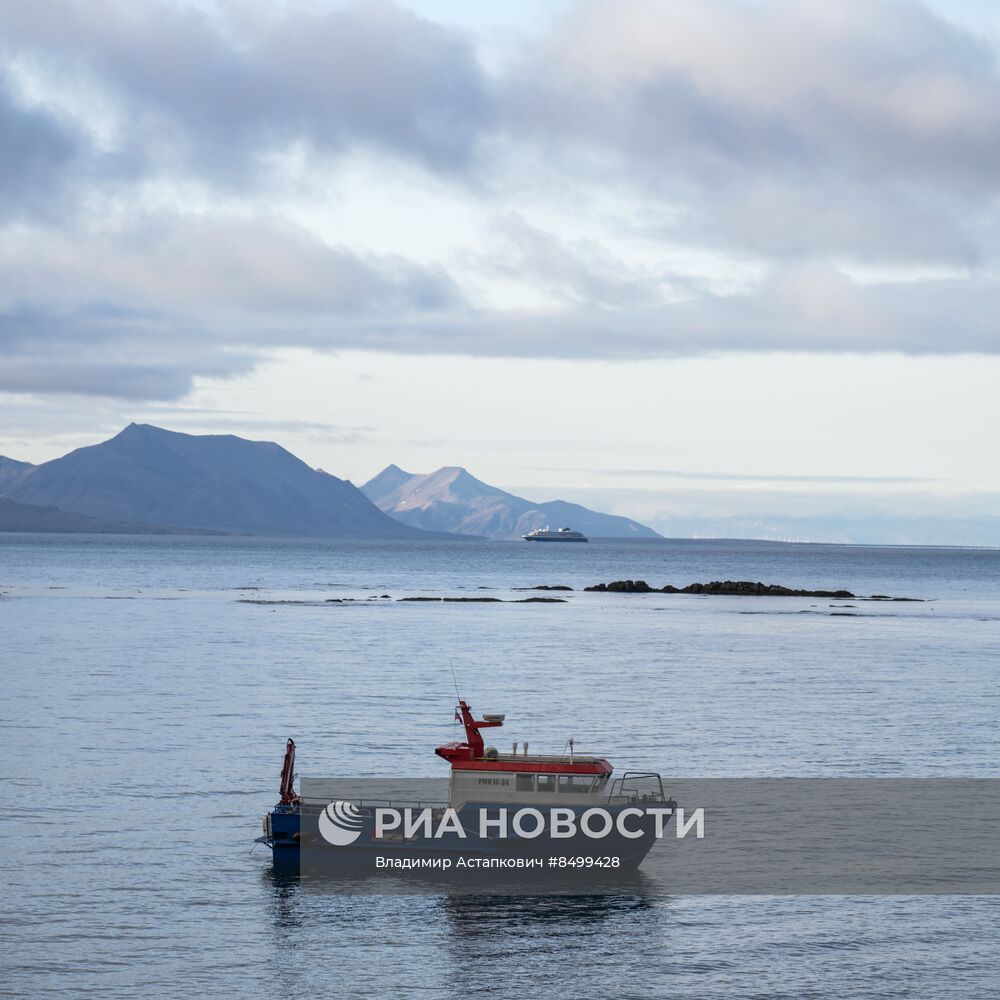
(548, 535)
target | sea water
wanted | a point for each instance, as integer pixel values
(149, 684)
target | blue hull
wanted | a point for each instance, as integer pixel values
(295, 840)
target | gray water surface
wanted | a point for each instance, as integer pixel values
(146, 706)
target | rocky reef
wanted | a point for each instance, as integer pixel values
(736, 588)
(733, 588)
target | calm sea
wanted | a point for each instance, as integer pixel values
(149, 685)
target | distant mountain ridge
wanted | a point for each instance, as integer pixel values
(844, 530)
(149, 478)
(146, 475)
(11, 471)
(24, 517)
(452, 499)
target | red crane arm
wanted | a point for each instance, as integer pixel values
(288, 774)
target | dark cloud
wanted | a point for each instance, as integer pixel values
(108, 351)
(217, 93)
(139, 312)
(123, 380)
(37, 154)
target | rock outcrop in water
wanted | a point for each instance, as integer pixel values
(489, 600)
(735, 588)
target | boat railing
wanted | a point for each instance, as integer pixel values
(637, 787)
(365, 803)
(545, 758)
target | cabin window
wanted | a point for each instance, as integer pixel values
(577, 784)
(546, 783)
(525, 783)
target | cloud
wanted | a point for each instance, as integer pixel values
(865, 127)
(815, 307)
(800, 142)
(37, 152)
(575, 272)
(139, 311)
(190, 307)
(205, 421)
(106, 351)
(215, 264)
(218, 93)
(869, 128)
(805, 308)
(735, 477)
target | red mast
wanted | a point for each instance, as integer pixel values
(472, 748)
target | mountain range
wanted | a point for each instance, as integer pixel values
(149, 479)
(163, 479)
(11, 471)
(453, 500)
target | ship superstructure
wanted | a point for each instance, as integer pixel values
(551, 535)
(519, 778)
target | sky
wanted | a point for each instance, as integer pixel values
(726, 266)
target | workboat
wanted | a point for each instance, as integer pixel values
(548, 535)
(511, 806)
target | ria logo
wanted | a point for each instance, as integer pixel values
(340, 823)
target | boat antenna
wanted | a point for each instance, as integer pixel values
(455, 679)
